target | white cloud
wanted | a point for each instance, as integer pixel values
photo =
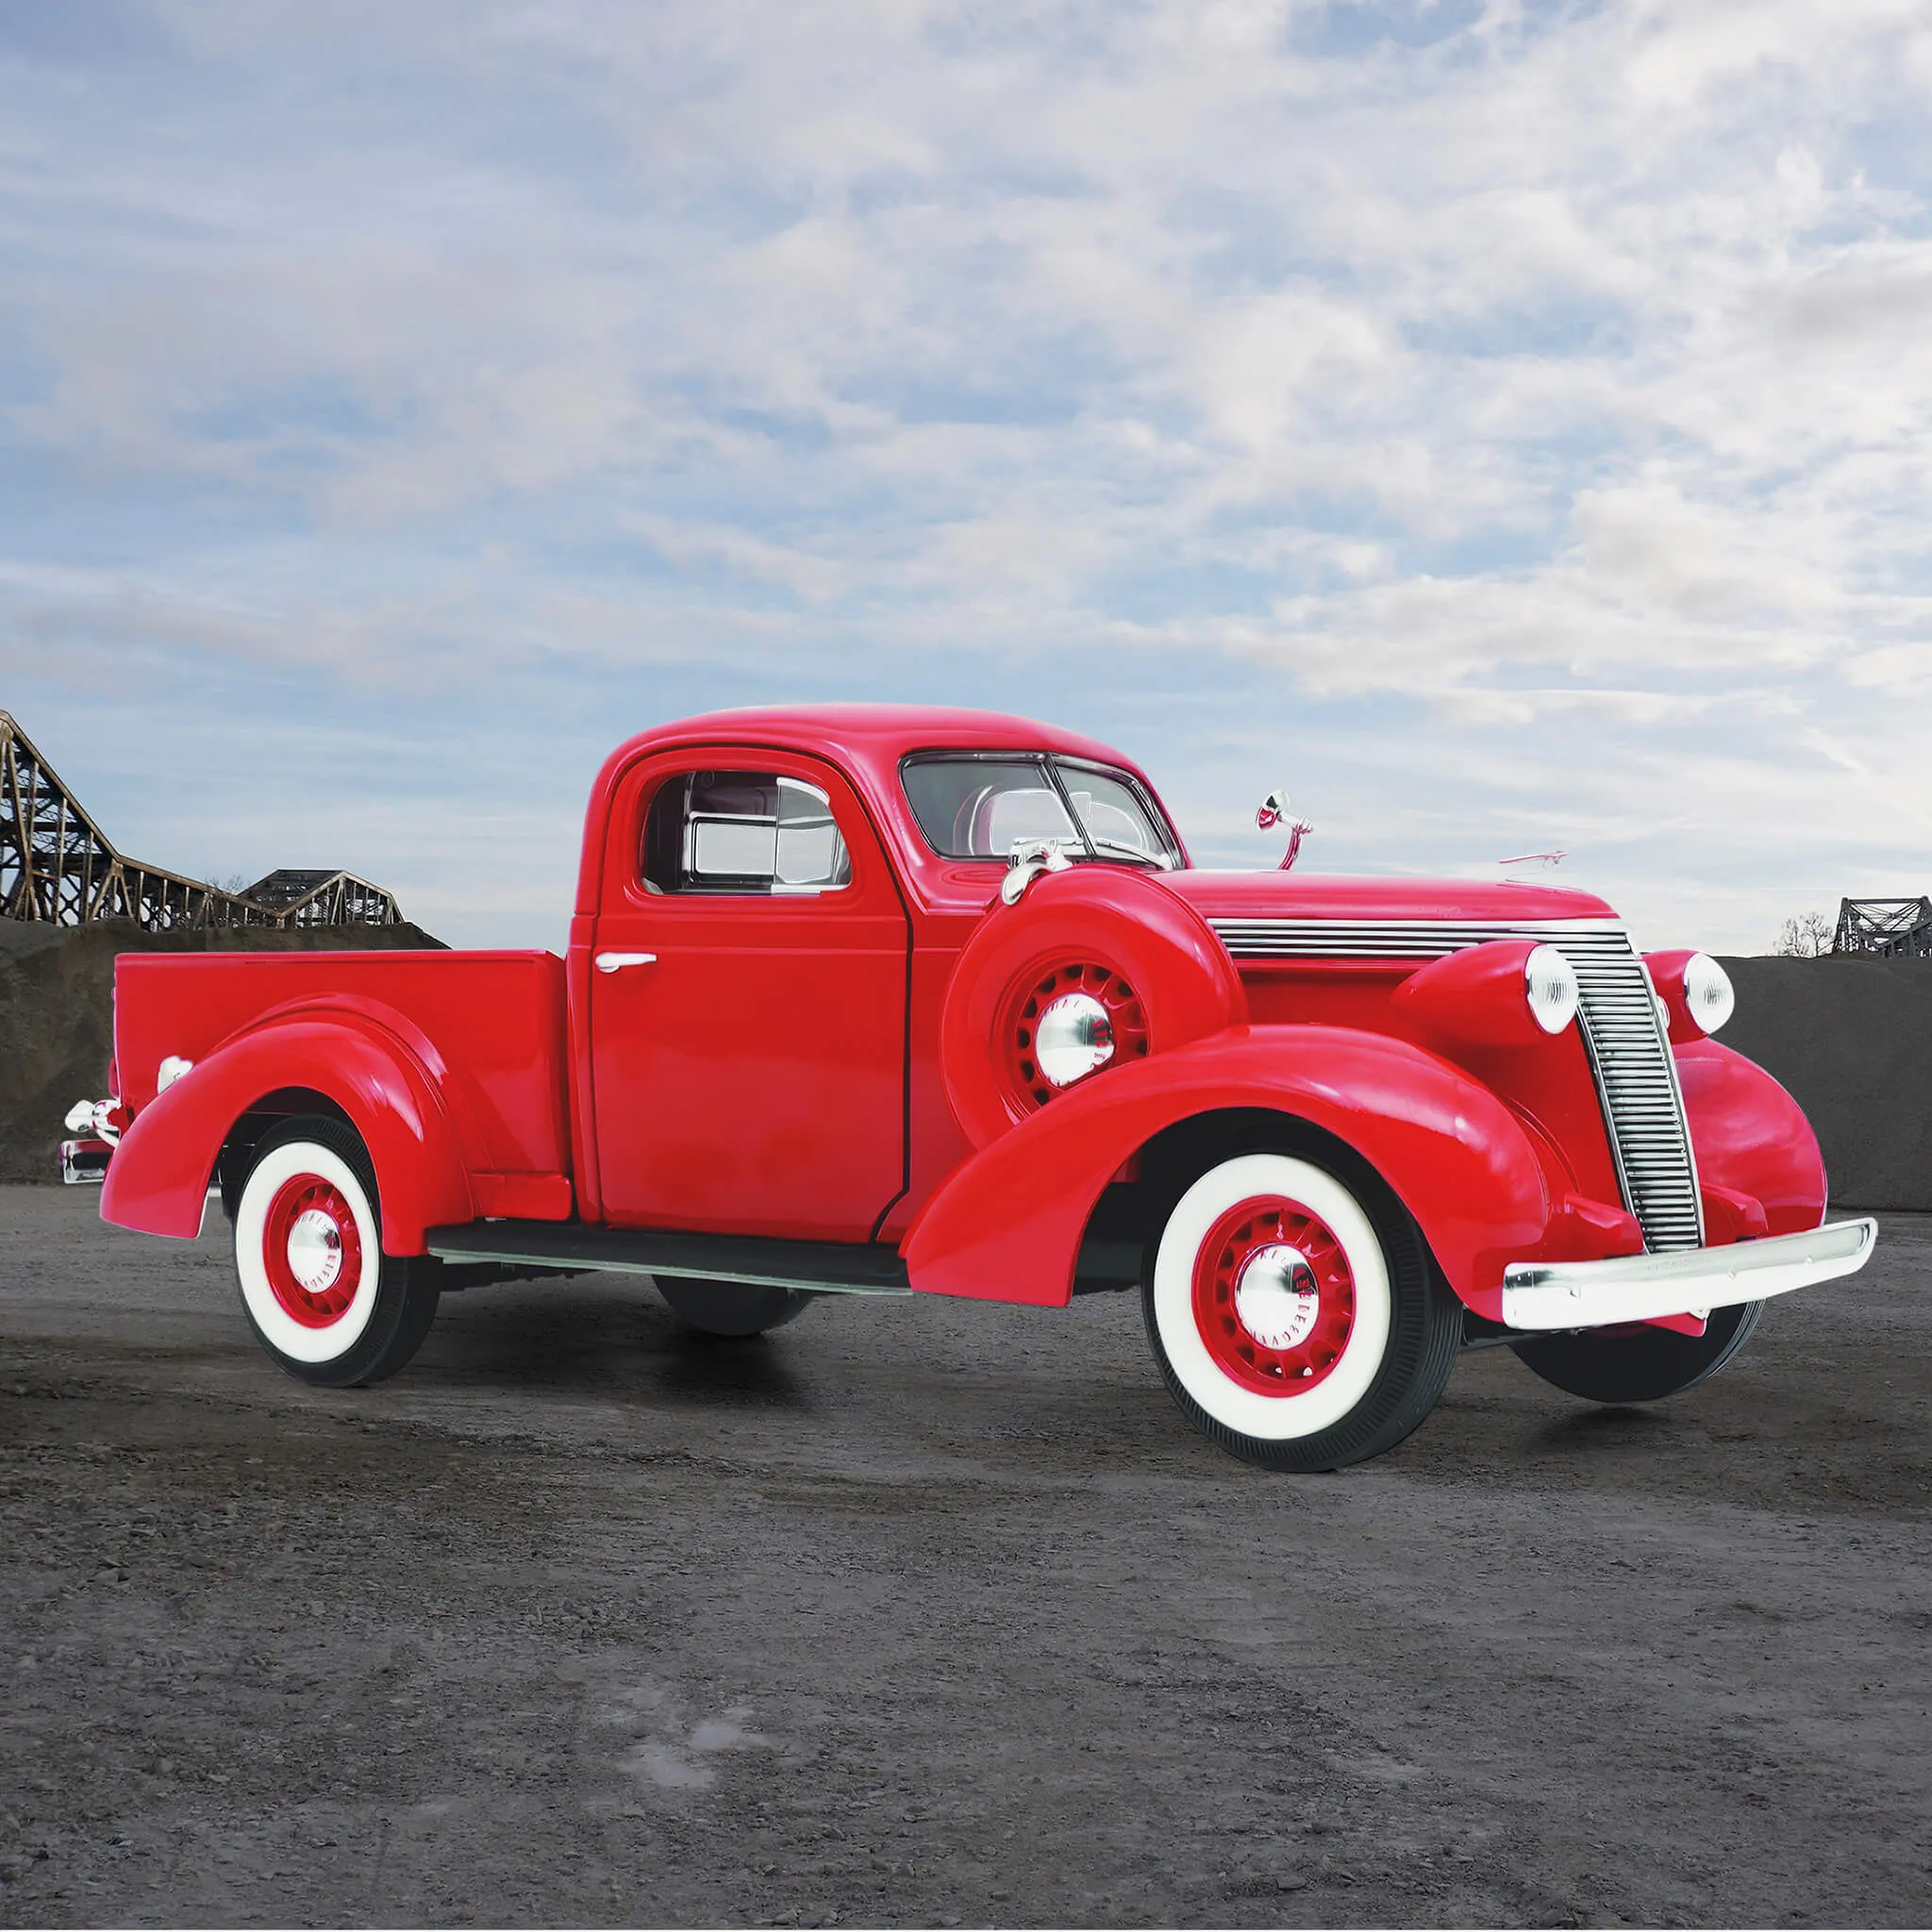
(1498, 381)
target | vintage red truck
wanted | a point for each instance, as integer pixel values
(871, 1000)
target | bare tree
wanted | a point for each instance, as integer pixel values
(1806, 937)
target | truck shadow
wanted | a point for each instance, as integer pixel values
(584, 1339)
(752, 1370)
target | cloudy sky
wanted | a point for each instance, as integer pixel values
(1506, 423)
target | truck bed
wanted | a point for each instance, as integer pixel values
(495, 1020)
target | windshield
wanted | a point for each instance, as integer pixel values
(989, 806)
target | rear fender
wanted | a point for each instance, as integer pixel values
(158, 1179)
(1007, 1225)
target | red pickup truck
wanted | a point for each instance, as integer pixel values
(881, 1000)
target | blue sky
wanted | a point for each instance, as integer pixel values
(1506, 424)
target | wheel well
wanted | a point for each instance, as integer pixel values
(238, 1149)
(1129, 1215)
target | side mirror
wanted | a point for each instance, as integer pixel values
(1274, 811)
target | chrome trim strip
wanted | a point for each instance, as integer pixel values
(1539, 1296)
(1630, 1060)
(1393, 939)
(519, 1256)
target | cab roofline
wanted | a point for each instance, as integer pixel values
(881, 735)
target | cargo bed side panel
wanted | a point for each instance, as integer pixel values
(496, 1020)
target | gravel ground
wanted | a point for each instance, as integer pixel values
(926, 1612)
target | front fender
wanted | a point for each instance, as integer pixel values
(158, 1179)
(1007, 1225)
(1750, 1137)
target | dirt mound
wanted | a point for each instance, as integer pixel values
(57, 1006)
(1851, 1038)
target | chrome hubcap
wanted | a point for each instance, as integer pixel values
(1072, 1038)
(315, 1251)
(1276, 1300)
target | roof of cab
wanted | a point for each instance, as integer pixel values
(880, 735)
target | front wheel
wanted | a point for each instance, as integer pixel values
(735, 1309)
(1641, 1365)
(1297, 1318)
(328, 1306)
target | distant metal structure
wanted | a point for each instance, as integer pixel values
(323, 898)
(1894, 929)
(58, 866)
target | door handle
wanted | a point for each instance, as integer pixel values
(616, 962)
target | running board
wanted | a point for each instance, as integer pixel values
(824, 1267)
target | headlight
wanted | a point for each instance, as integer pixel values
(1072, 1037)
(1550, 981)
(1707, 993)
(172, 1069)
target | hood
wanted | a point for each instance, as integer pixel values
(1332, 895)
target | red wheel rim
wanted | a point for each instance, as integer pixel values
(312, 1250)
(1027, 1087)
(1274, 1296)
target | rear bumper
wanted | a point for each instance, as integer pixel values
(84, 1161)
(1541, 1295)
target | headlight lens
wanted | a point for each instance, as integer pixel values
(1707, 993)
(1550, 981)
(172, 1070)
(1072, 1037)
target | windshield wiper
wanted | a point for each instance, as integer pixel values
(1130, 852)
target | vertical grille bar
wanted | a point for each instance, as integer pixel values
(1629, 1056)
(1636, 1082)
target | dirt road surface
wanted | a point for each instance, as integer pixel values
(935, 1613)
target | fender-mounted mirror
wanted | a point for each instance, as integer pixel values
(1273, 812)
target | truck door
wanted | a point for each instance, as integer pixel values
(748, 1002)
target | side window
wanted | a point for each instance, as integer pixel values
(745, 832)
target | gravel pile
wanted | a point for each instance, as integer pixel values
(1852, 1040)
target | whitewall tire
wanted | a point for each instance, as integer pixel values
(322, 1299)
(1295, 1314)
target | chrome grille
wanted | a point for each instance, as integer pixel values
(1636, 1076)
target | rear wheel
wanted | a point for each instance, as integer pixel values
(1644, 1365)
(734, 1309)
(328, 1306)
(1297, 1317)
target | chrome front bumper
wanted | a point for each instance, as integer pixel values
(1541, 1295)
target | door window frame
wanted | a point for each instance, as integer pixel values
(872, 888)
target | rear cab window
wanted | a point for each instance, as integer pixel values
(743, 834)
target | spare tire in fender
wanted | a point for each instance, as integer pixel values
(1116, 935)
